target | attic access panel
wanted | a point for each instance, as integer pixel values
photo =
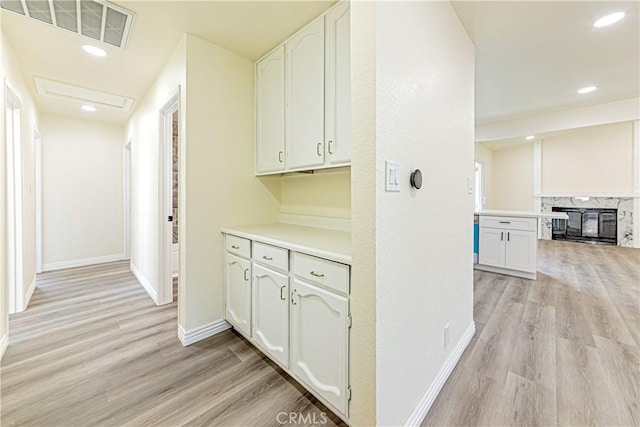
(97, 19)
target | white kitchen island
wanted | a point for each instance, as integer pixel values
(508, 241)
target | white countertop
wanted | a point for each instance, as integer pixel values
(523, 214)
(329, 244)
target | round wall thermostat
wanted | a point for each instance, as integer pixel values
(416, 179)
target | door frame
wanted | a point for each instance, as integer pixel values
(37, 141)
(165, 189)
(126, 205)
(483, 187)
(15, 262)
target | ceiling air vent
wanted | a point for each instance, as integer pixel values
(98, 20)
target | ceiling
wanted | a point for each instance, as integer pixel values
(249, 28)
(532, 56)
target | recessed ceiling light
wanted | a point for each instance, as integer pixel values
(610, 19)
(587, 89)
(89, 108)
(93, 50)
(530, 137)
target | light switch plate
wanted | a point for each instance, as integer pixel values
(392, 176)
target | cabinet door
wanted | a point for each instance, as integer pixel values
(305, 97)
(271, 312)
(319, 341)
(338, 85)
(491, 246)
(522, 248)
(270, 107)
(238, 292)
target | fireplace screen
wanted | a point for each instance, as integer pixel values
(591, 225)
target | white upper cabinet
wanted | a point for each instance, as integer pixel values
(270, 111)
(305, 97)
(338, 86)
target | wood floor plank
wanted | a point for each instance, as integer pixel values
(93, 349)
(573, 353)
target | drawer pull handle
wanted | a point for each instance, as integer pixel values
(313, 273)
(245, 274)
(504, 222)
(508, 235)
(330, 145)
(235, 247)
(501, 236)
(280, 153)
(282, 297)
(318, 146)
(268, 258)
(293, 297)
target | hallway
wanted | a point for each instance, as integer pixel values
(93, 349)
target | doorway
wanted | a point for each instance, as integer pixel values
(169, 198)
(127, 200)
(14, 201)
(479, 193)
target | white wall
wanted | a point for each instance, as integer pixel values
(219, 188)
(143, 130)
(512, 187)
(82, 173)
(324, 193)
(363, 213)
(425, 119)
(14, 77)
(596, 160)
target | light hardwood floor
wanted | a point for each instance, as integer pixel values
(561, 350)
(93, 349)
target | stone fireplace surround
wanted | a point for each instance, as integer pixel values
(624, 205)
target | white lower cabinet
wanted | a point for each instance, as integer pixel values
(319, 341)
(294, 307)
(508, 243)
(271, 312)
(238, 292)
(521, 252)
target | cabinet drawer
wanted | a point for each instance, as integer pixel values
(238, 246)
(512, 223)
(328, 274)
(272, 256)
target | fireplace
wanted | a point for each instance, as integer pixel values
(588, 225)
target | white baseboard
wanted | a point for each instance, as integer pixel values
(198, 334)
(4, 343)
(81, 262)
(27, 298)
(420, 412)
(144, 282)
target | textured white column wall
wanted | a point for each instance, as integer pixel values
(636, 184)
